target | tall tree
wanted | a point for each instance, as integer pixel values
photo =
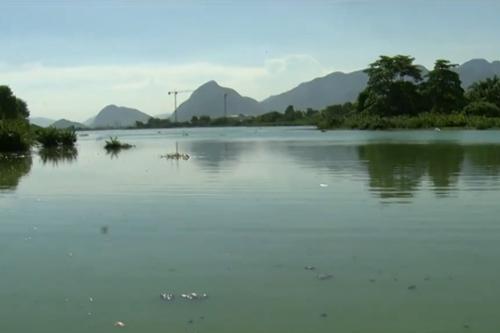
(485, 91)
(11, 107)
(392, 87)
(443, 90)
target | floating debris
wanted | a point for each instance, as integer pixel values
(120, 324)
(373, 280)
(427, 278)
(323, 315)
(190, 321)
(176, 156)
(323, 185)
(70, 254)
(324, 276)
(167, 297)
(309, 268)
(412, 287)
(91, 299)
(194, 296)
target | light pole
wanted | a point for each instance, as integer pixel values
(175, 92)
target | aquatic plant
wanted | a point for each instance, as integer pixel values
(15, 136)
(52, 137)
(114, 144)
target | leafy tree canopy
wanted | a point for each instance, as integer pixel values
(11, 107)
(443, 90)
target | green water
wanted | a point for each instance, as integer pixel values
(241, 219)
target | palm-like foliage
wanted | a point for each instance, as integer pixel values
(485, 91)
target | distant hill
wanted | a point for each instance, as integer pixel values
(338, 87)
(334, 88)
(477, 70)
(64, 123)
(208, 100)
(41, 121)
(118, 117)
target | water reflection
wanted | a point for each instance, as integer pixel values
(392, 170)
(12, 169)
(214, 155)
(55, 156)
(399, 170)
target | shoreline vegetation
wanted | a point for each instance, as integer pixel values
(17, 135)
(398, 95)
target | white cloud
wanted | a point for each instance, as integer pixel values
(79, 92)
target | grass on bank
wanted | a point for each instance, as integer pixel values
(421, 121)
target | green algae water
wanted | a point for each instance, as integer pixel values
(401, 230)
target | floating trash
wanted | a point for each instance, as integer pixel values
(194, 296)
(412, 287)
(323, 315)
(309, 268)
(167, 297)
(120, 324)
(91, 299)
(323, 185)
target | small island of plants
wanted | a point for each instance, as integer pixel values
(114, 144)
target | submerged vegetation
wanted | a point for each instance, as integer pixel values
(114, 144)
(53, 138)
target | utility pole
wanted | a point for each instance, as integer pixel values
(175, 92)
(225, 105)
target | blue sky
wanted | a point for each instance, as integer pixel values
(70, 58)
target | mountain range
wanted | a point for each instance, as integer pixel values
(208, 99)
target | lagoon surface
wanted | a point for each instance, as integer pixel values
(406, 222)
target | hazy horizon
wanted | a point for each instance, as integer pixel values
(70, 59)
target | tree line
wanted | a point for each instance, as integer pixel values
(399, 94)
(18, 135)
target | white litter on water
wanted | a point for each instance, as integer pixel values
(119, 324)
(323, 185)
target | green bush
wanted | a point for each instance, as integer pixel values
(114, 144)
(52, 137)
(482, 108)
(15, 136)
